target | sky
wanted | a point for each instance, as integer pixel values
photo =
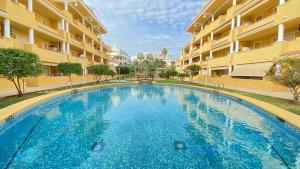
(146, 25)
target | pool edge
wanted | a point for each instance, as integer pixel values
(12, 110)
(288, 116)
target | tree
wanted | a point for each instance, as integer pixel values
(286, 72)
(181, 76)
(111, 73)
(171, 72)
(68, 69)
(140, 57)
(16, 64)
(164, 51)
(98, 70)
(193, 69)
(123, 70)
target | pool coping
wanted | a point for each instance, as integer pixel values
(288, 116)
(10, 111)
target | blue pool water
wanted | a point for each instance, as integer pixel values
(147, 126)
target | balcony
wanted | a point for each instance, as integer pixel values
(56, 33)
(265, 54)
(252, 28)
(89, 47)
(75, 42)
(17, 12)
(77, 59)
(220, 61)
(47, 55)
(290, 9)
(206, 47)
(196, 52)
(11, 43)
(221, 42)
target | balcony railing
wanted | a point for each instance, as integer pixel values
(251, 28)
(265, 54)
(220, 61)
(49, 30)
(47, 55)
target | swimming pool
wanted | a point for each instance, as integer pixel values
(147, 126)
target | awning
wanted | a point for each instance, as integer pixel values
(252, 70)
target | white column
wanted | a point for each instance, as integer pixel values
(231, 47)
(213, 18)
(101, 60)
(210, 55)
(209, 72)
(93, 57)
(66, 5)
(201, 42)
(281, 2)
(200, 56)
(62, 24)
(229, 69)
(6, 28)
(191, 48)
(83, 37)
(68, 48)
(29, 4)
(84, 54)
(63, 47)
(237, 46)
(280, 32)
(190, 60)
(67, 27)
(212, 36)
(232, 23)
(31, 36)
(233, 2)
(201, 26)
(238, 22)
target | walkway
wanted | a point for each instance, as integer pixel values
(12, 92)
(279, 94)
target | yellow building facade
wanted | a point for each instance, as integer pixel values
(57, 31)
(236, 41)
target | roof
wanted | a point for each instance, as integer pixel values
(89, 14)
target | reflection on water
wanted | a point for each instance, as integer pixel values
(139, 125)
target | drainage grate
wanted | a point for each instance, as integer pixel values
(180, 146)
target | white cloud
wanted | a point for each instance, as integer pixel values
(177, 13)
(147, 25)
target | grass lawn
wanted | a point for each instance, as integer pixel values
(282, 103)
(6, 101)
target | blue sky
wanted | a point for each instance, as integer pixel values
(147, 25)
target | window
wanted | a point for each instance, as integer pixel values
(258, 17)
(298, 28)
(257, 45)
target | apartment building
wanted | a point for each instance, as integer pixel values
(57, 31)
(119, 56)
(236, 41)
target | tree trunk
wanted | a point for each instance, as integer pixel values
(296, 96)
(18, 88)
(71, 81)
